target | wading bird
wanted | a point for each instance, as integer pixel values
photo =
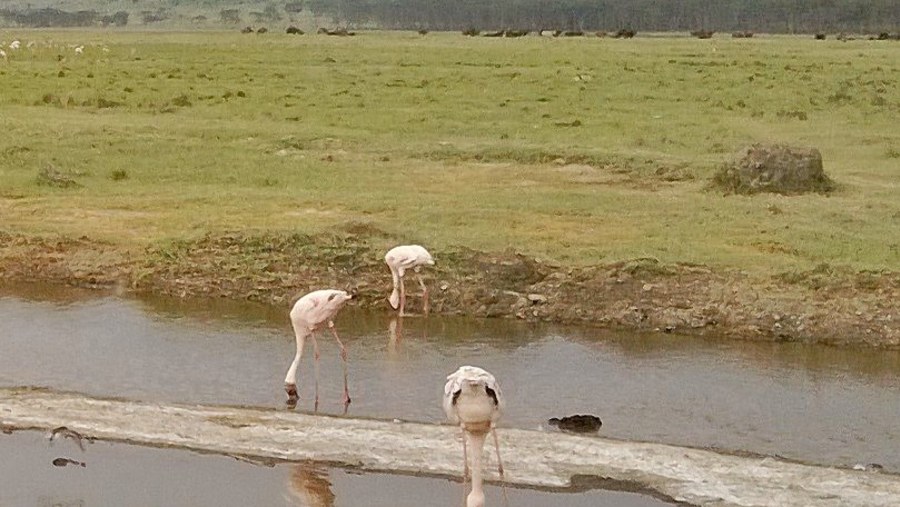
(310, 313)
(400, 259)
(472, 399)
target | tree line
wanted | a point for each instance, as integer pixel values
(772, 16)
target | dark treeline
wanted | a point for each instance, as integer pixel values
(772, 16)
(48, 17)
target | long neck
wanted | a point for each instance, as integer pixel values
(476, 444)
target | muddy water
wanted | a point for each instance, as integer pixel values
(816, 404)
(118, 475)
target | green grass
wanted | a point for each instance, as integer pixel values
(582, 151)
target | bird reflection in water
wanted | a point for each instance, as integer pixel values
(308, 486)
(395, 335)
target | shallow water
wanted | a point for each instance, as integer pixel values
(118, 475)
(817, 404)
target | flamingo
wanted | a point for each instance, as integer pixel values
(472, 399)
(310, 313)
(400, 259)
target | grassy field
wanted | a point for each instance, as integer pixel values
(581, 151)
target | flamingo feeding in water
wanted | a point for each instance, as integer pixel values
(400, 259)
(472, 399)
(310, 313)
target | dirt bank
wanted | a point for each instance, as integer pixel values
(826, 305)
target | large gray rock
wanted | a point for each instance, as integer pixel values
(774, 168)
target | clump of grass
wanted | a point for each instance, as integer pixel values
(800, 115)
(118, 175)
(774, 168)
(52, 177)
(645, 266)
(181, 101)
(54, 100)
(103, 103)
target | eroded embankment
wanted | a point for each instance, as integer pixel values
(825, 305)
(531, 458)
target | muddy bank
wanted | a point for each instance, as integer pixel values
(826, 305)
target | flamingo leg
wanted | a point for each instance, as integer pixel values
(500, 469)
(497, 448)
(425, 305)
(316, 402)
(315, 368)
(344, 357)
(402, 298)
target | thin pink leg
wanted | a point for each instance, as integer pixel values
(344, 357)
(402, 298)
(497, 448)
(425, 305)
(500, 465)
(316, 370)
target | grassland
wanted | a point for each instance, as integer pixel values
(580, 152)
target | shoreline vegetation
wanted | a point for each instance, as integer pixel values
(558, 180)
(826, 305)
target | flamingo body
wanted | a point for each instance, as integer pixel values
(472, 398)
(310, 314)
(400, 259)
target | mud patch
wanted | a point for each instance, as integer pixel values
(826, 305)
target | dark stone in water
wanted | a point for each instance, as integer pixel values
(61, 462)
(577, 423)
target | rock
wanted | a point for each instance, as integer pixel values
(577, 423)
(774, 168)
(537, 298)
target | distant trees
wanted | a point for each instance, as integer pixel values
(293, 7)
(270, 14)
(120, 18)
(230, 16)
(729, 16)
(777, 16)
(48, 17)
(150, 17)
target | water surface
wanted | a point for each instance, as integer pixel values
(835, 406)
(119, 475)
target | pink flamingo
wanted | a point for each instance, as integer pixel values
(310, 313)
(400, 259)
(472, 399)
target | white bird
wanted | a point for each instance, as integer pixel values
(14, 44)
(2, 54)
(79, 50)
(310, 313)
(400, 259)
(472, 399)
